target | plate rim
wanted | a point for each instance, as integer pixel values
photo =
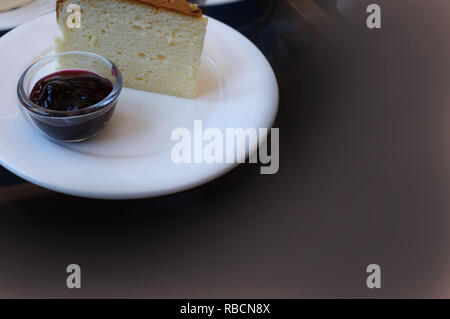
(211, 3)
(225, 168)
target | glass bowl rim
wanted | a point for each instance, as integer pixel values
(39, 110)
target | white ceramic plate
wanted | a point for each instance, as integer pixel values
(13, 18)
(218, 2)
(131, 157)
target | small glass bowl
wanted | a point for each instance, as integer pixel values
(70, 126)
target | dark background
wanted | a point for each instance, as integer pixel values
(364, 178)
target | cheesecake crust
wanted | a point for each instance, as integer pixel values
(180, 6)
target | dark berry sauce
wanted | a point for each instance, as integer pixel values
(70, 90)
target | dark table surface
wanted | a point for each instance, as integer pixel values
(364, 178)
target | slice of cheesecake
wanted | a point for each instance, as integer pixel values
(156, 44)
(6, 5)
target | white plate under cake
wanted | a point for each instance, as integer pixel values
(131, 158)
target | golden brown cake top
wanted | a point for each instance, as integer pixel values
(181, 6)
